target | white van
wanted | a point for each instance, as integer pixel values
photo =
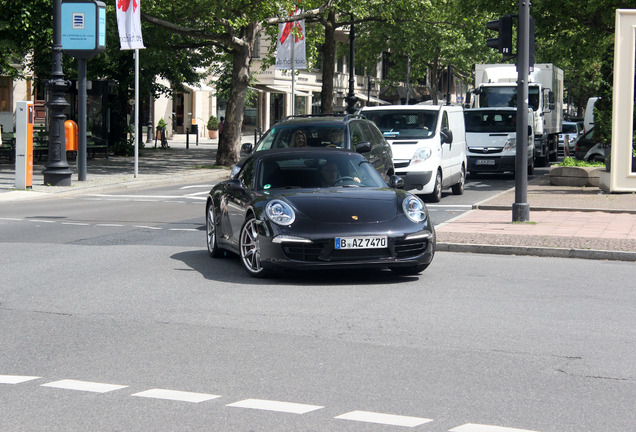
(428, 144)
(491, 135)
(588, 121)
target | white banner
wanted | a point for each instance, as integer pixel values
(286, 40)
(129, 24)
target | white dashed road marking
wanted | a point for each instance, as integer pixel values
(386, 419)
(16, 379)
(471, 427)
(269, 405)
(256, 404)
(84, 386)
(176, 395)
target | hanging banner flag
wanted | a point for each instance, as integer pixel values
(288, 40)
(129, 24)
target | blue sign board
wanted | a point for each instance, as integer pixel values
(83, 27)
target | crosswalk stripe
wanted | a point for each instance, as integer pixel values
(16, 379)
(176, 395)
(269, 405)
(386, 419)
(471, 427)
(84, 386)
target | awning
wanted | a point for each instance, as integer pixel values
(199, 87)
(372, 99)
(281, 89)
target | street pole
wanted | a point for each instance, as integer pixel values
(521, 208)
(57, 171)
(351, 98)
(81, 90)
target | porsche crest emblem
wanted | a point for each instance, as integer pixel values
(354, 217)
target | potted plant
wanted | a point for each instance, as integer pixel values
(213, 127)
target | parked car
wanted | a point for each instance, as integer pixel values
(428, 143)
(491, 136)
(585, 143)
(304, 208)
(570, 132)
(598, 153)
(351, 132)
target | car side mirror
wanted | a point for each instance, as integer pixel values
(246, 148)
(447, 136)
(396, 182)
(363, 147)
(234, 185)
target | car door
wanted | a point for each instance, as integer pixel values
(237, 202)
(447, 160)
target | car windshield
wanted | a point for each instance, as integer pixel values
(404, 124)
(312, 170)
(490, 121)
(304, 135)
(569, 128)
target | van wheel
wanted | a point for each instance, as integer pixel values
(436, 196)
(531, 167)
(458, 188)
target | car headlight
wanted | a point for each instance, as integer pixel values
(414, 209)
(511, 144)
(235, 171)
(421, 155)
(280, 212)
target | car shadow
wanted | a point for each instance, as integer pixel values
(229, 269)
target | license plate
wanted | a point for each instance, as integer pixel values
(360, 242)
(485, 162)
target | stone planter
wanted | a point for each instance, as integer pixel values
(574, 176)
(213, 134)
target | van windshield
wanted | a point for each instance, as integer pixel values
(507, 97)
(490, 121)
(404, 124)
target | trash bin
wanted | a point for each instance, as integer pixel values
(71, 132)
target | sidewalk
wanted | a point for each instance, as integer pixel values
(564, 221)
(155, 167)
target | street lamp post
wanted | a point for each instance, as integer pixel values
(351, 97)
(57, 171)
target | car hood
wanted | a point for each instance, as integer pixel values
(344, 205)
(488, 139)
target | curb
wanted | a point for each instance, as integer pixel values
(537, 251)
(508, 208)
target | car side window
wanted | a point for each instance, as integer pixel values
(368, 134)
(246, 175)
(356, 134)
(445, 124)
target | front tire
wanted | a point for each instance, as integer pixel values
(250, 249)
(210, 229)
(458, 188)
(436, 195)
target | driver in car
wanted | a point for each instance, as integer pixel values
(336, 137)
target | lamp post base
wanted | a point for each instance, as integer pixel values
(57, 178)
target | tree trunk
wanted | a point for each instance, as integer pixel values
(230, 140)
(328, 63)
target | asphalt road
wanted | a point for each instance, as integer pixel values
(115, 318)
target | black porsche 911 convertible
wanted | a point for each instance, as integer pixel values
(317, 208)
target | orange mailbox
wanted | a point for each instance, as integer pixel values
(72, 135)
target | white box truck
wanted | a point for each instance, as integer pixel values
(496, 86)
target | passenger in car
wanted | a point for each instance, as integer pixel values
(299, 139)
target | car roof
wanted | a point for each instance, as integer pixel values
(319, 119)
(318, 151)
